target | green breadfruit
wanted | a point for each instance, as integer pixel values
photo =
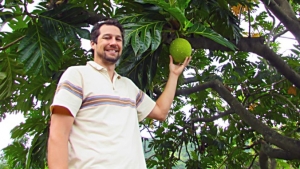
(180, 49)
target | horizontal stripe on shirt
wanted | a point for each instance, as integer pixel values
(111, 100)
(139, 98)
(76, 90)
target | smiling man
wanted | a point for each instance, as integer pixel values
(96, 112)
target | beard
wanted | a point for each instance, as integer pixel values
(109, 59)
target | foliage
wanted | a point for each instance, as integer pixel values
(204, 128)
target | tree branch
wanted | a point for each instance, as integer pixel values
(273, 26)
(252, 162)
(270, 135)
(12, 43)
(283, 11)
(190, 80)
(279, 34)
(213, 118)
(277, 153)
(254, 45)
(263, 160)
(28, 13)
(197, 88)
(187, 91)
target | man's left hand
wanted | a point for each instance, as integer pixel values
(178, 69)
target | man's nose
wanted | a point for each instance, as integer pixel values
(113, 41)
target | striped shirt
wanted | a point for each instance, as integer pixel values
(105, 133)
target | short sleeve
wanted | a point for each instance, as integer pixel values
(144, 105)
(69, 92)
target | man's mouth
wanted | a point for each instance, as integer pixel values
(112, 51)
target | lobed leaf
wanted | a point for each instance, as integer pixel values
(209, 33)
(183, 4)
(38, 50)
(174, 11)
(2, 75)
(103, 7)
(11, 71)
(65, 24)
(140, 69)
(143, 35)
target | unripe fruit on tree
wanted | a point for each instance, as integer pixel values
(180, 49)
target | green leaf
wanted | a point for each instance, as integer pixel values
(6, 16)
(2, 75)
(143, 34)
(176, 12)
(32, 90)
(209, 33)
(141, 69)
(20, 20)
(13, 71)
(38, 149)
(156, 36)
(16, 154)
(183, 4)
(123, 19)
(65, 24)
(38, 51)
(103, 7)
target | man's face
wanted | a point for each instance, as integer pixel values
(109, 44)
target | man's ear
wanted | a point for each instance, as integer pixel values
(93, 44)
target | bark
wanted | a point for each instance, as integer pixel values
(277, 153)
(273, 163)
(213, 118)
(254, 45)
(286, 143)
(263, 160)
(283, 11)
(270, 135)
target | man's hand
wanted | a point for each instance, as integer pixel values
(163, 103)
(178, 69)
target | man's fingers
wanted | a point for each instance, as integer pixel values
(171, 59)
(187, 60)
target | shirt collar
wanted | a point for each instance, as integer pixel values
(95, 65)
(99, 67)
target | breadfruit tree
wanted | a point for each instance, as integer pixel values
(237, 76)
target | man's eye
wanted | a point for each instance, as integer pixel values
(119, 39)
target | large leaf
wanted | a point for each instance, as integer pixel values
(183, 4)
(200, 29)
(133, 18)
(13, 71)
(143, 35)
(35, 88)
(2, 75)
(20, 20)
(102, 8)
(39, 52)
(141, 69)
(16, 154)
(37, 153)
(174, 11)
(65, 23)
(36, 127)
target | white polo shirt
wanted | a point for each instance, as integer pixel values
(105, 133)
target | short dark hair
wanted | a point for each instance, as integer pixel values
(96, 29)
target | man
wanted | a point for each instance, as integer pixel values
(95, 111)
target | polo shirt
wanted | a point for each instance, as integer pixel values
(105, 133)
